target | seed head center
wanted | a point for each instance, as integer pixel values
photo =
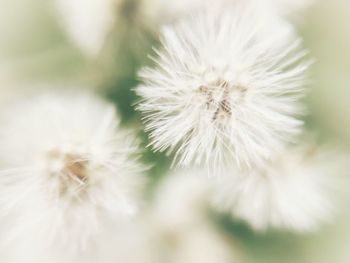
(71, 171)
(222, 97)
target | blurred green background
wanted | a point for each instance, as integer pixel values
(35, 51)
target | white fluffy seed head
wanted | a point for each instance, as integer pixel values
(67, 168)
(181, 199)
(294, 192)
(225, 88)
(178, 222)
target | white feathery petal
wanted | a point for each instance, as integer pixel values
(87, 22)
(293, 192)
(225, 88)
(68, 170)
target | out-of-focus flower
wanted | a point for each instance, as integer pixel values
(225, 88)
(178, 225)
(182, 198)
(156, 243)
(89, 22)
(68, 170)
(197, 243)
(293, 192)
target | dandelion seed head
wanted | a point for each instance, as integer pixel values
(225, 88)
(68, 169)
(293, 192)
(178, 222)
(181, 199)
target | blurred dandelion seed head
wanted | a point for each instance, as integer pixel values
(293, 192)
(73, 159)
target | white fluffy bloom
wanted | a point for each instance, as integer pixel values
(149, 242)
(87, 22)
(178, 222)
(293, 192)
(225, 88)
(68, 170)
(90, 22)
(182, 198)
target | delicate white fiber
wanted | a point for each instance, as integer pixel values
(68, 169)
(293, 192)
(225, 88)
